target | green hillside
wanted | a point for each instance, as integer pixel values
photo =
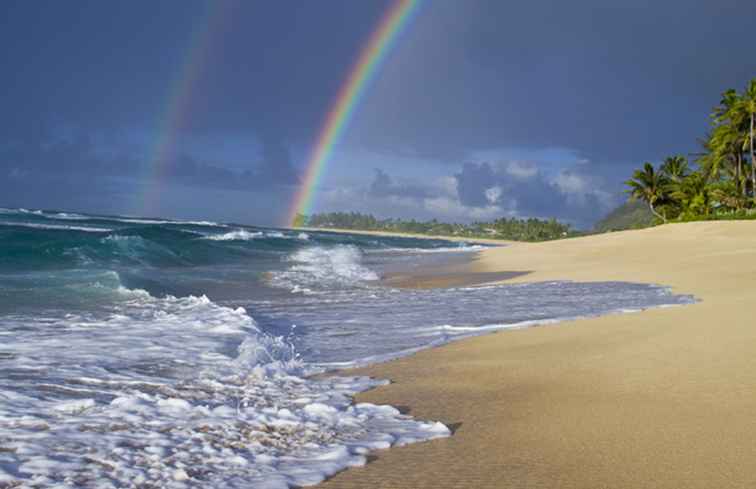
(630, 215)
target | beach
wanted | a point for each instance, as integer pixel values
(219, 341)
(660, 398)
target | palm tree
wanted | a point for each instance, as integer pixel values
(734, 117)
(725, 153)
(722, 112)
(693, 193)
(650, 186)
(748, 107)
(675, 168)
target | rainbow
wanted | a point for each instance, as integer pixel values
(176, 111)
(347, 99)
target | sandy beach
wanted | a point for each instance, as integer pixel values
(661, 398)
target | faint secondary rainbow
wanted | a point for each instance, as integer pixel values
(175, 113)
(371, 56)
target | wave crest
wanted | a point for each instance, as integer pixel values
(318, 267)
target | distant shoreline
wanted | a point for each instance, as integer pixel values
(489, 241)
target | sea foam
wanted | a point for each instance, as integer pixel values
(320, 268)
(182, 405)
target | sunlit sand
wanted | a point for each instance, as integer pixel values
(661, 398)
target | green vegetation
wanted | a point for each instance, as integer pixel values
(300, 220)
(508, 229)
(723, 183)
(633, 214)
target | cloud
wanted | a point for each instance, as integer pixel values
(276, 167)
(493, 194)
(103, 172)
(451, 209)
(522, 169)
(574, 194)
(472, 182)
(385, 186)
(484, 191)
(80, 154)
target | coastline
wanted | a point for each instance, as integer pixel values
(488, 241)
(661, 398)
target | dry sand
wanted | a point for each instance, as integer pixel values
(663, 398)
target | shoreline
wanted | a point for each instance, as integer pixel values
(488, 241)
(662, 398)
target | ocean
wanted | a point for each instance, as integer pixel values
(141, 352)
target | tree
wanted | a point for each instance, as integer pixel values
(748, 106)
(726, 178)
(734, 118)
(693, 194)
(650, 186)
(725, 152)
(675, 168)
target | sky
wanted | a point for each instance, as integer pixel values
(482, 108)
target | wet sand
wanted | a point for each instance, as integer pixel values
(663, 398)
(454, 271)
(427, 280)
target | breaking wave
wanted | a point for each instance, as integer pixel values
(322, 268)
(209, 401)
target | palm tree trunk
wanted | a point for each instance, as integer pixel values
(653, 211)
(739, 187)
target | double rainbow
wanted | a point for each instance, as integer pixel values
(350, 93)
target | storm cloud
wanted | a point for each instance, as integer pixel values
(86, 97)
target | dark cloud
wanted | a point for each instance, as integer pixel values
(524, 190)
(79, 156)
(276, 166)
(384, 186)
(472, 183)
(617, 82)
(620, 81)
(484, 191)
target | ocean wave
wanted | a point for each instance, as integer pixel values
(38, 246)
(27, 211)
(244, 235)
(57, 227)
(180, 406)
(68, 216)
(318, 268)
(135, 220)
(462, 248)
(236, 235)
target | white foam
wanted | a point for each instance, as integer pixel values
(27, 211)
(462, 248)
(62, 227)
(68, 215)
(236, 235)
(135, 220)
(318, 268)
(170, 403)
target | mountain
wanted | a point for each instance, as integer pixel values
(630, 215)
